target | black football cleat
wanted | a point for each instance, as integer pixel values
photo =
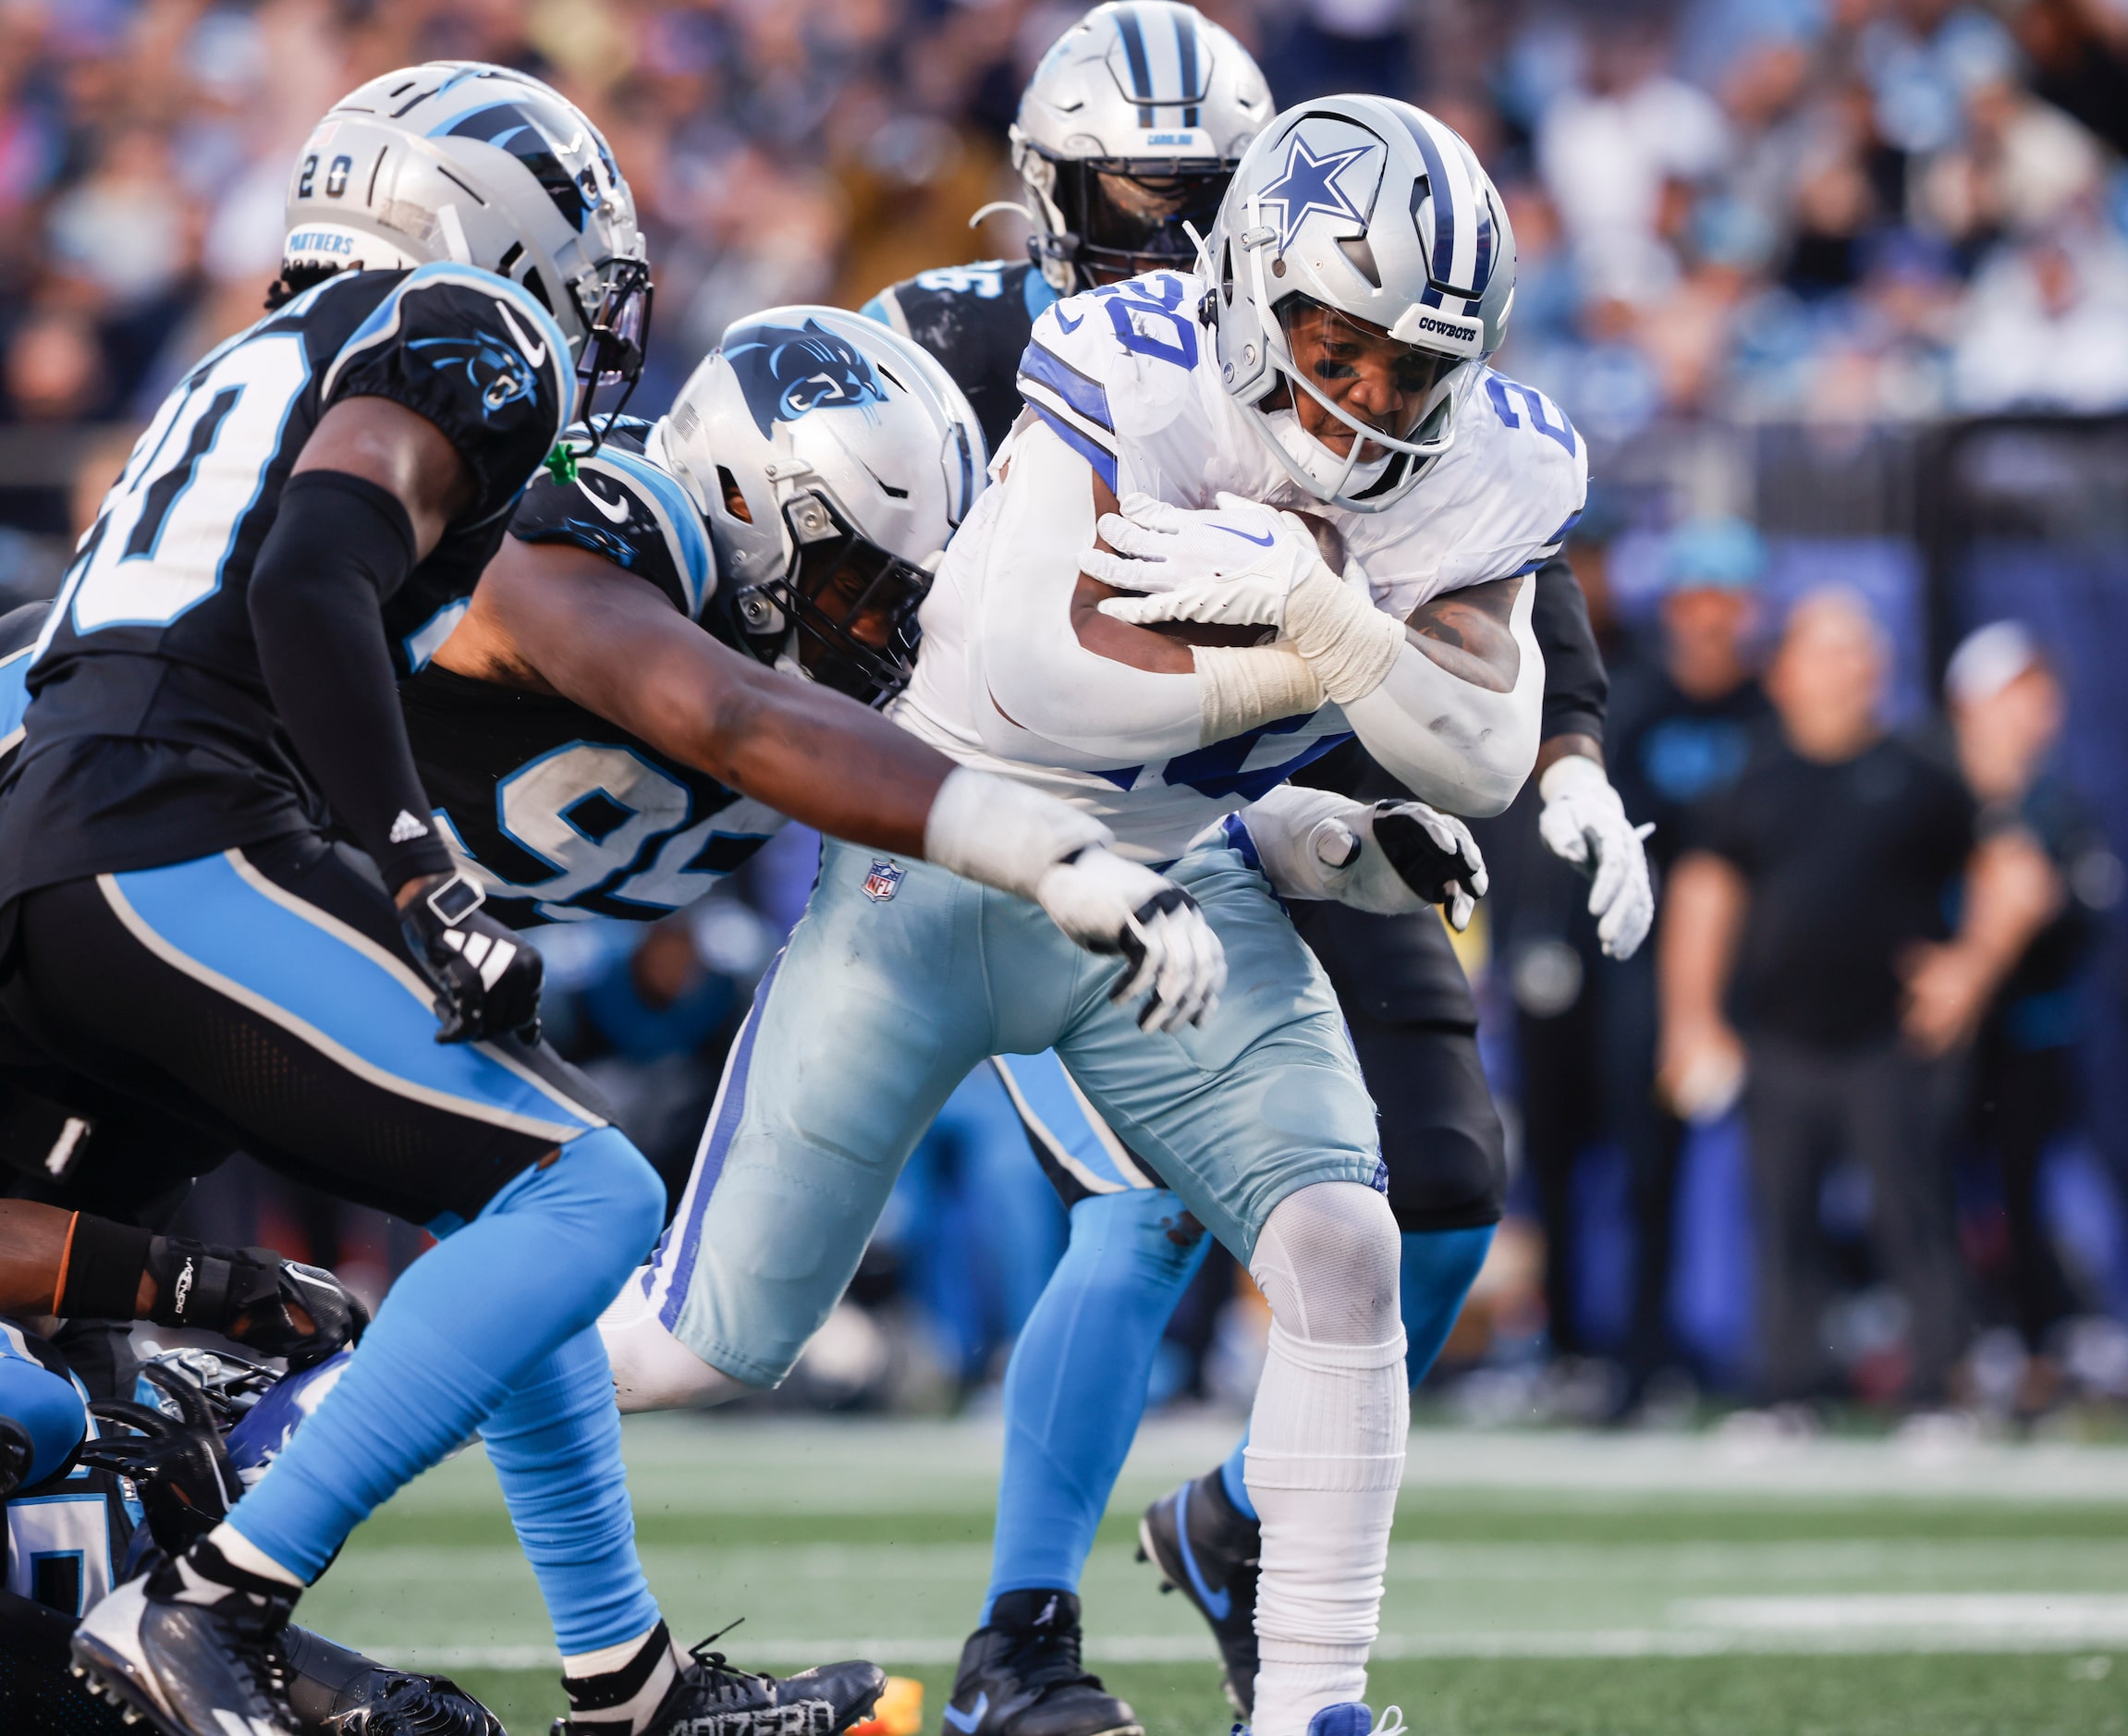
(1020, 1676)
(1206, 1547)
(713, 1698)
(335, 1692)
(192, 1655)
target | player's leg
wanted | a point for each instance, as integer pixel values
(1260, 1121)
(1445, 1153)
(860, 1031)
(1074, 1391)
(263, 995)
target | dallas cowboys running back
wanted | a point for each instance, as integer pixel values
(1106, 194)
(1258, 1118)
(301, 517)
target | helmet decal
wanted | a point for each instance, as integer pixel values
(516, 128)
(786, 370)
(1164, 67)
(1309, 184)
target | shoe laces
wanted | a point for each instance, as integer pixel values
(1391, 1722)
(720, 1676)
(1049, 1658)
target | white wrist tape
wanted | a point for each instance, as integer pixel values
(1002, 834)
(1239, 687)
(1348, 642)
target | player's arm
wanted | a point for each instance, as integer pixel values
(559, 617)
(76, 1264)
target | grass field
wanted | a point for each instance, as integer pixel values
(1538, 1584)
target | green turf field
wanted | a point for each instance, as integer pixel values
(1539, 1583)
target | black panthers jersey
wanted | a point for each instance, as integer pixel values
(151, 737)
(558, 813)
(975, 319)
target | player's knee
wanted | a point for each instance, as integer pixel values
(623, 1190)
(47, 1410)
(1327, 1261)
(651, 1369)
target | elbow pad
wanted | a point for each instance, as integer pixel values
(1460, 747)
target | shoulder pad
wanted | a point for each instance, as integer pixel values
(1114, 363)
(1530, 479)
(476, 355)
(624, 508)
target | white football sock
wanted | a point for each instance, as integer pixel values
(1326, 1447)
(652, 1370)
(619, 1688)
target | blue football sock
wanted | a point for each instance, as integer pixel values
(554, 1443)
(1439, 1267)
(1075, 1387)
(491, 1310)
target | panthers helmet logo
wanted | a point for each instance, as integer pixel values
(786, 372)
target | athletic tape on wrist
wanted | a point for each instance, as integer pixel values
(1350, 645)
(1240, 687)
(1002, 834)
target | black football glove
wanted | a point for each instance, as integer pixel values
(335, 1692)
(278, 1307)
(1434, 854)
(486, 979)
(177, 1465)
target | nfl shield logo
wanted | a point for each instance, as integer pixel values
(883, 881)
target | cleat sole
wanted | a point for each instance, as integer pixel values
(109, 1680)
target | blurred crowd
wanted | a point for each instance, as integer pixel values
(1856, 1033)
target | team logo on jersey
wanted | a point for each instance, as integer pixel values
(786, 370)
(883, 881)
(498, 370)
(1309, 185)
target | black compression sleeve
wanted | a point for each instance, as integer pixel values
(339, 546)
(1577, 689)
(100, 1278)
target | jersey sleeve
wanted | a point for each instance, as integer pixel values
(623, 508)
(477, 356)
(1527, 489)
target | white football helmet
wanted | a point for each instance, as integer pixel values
(1369, 217)
(1129, 130)
(832, 459)
(464, 161)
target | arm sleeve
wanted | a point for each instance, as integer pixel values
(1454, 744)
(474, 354)
(1038, 678)
(339, 546)
(1577, 688)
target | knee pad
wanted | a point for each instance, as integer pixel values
(1327, 1261)
(651, 1369)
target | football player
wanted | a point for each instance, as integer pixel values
(1129, 131)
(1448, 488)
(305, 514)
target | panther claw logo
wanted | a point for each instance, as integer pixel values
(786, 370)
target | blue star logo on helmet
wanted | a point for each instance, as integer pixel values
(1310, 184)
(786, 372)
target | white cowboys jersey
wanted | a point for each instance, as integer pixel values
(1125, 376)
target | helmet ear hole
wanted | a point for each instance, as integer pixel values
(537, 285)
(734, 500)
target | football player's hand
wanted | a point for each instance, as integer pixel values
(1584, 822)
(275, 1306)
(486, 979)
(1171, 955)
(1434, 854)
(1235, 564)
(1392, 858)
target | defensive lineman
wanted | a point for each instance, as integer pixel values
(306, 512)
(1259, 1119)
(1129, 131)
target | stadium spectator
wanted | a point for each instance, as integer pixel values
(1682, 727)
(2006, 709)
(1798, 913)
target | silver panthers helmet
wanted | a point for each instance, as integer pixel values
(832, 459)
(1363, 223)
(464, 161)
(1129, 130)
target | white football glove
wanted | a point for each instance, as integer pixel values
(1584, 823)
(1236, 563)
(1392, 858)
(1171, 955)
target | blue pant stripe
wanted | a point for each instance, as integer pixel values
(709, 1162)
(203, 918)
